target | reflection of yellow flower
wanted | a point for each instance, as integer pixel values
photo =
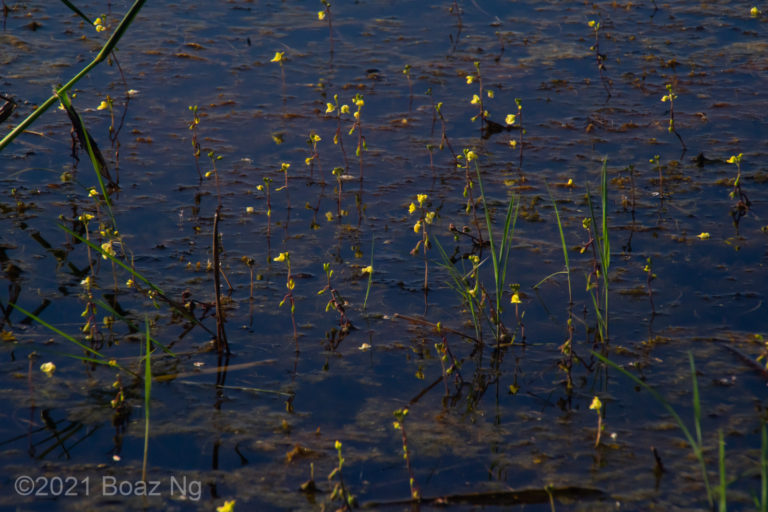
(367, 270)
(596, 404)
(48, 368)
(281, 257)
(228, 506)
(279, 57)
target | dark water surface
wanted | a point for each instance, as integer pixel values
(506, 420)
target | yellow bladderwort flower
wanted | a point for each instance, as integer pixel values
(429, 217)
(329, 216)
(735, 159)
(321, 15)
(754, 12)
(367, 270)
(593, 24)
(329, 107)
(421, 198)
(130, 283)
(290, 284)
(315, 137)
(470, 79)
(703, 235)
(411, 208)
(279, 57)
(417, 227)
(596, 404)
(359, 102)
(108, 250)
(345, 109)
(490, 93)
(308, 160)
(570, 182)
(228, 506)
(513, 143)
(281, 257)
(475, 99)
(98, 23)
(48, 368)
(93, 193)
(103, 105)
(249, 209)
(471, 155)
(516, 299)
(510, 119)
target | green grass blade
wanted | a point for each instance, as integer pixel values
(723, 503)
(77, 11)
(112, 258)
(696, 447)
(562, 243)
(106, 49)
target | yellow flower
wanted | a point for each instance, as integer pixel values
(596, 404)
(98, 23)
(703, 235)
(249, 209)
(337, 445)
(429, 217)
(103, 105)
(490, 93)
(315, 137)
(367, 270)
(345, 109)
(328, 216)
(570, 182)
(593, 24)
(754, 12)
(321, 15)
(417, 227)
(411, 208)
(228, 506)
(92, 193)
(513, 143)
(470, 79)
(359, 102)
(475, 99)
(329, 107)
(290, 284)
(510, 119)
(666, 97)
(107, 249)
(735, 159)
(281, 257)
(308, 160)
(130, 283)
(471, 155)
(279, 57)
(259, 187)
(48, 368)
(421, 198)
(516, 299)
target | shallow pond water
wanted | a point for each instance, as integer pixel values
(502, 428)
